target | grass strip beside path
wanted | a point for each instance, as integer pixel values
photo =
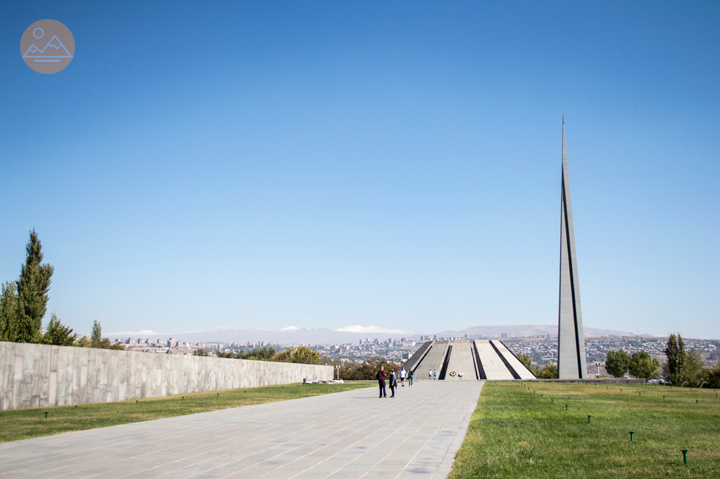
(522, 430)
(19, 424)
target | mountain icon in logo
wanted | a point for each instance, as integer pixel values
(45, 56)
(54, 49)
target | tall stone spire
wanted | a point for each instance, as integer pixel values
(571, 341)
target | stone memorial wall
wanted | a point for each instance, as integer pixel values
(38, 375)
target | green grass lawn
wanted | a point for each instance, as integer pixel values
(523, 430)
(26, 423)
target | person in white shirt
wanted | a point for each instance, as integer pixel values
(402, 377)
(430, 375)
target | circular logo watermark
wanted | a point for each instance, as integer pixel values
(47, 46)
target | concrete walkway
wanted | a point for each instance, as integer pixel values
(344, 435)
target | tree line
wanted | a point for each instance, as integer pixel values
(23, 305)
(348, 371)
(366, 370)
(291, 355)
(681, 367)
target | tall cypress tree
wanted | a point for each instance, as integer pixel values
(96, 336)
(8, 312)
(674, 368)
(32, 290)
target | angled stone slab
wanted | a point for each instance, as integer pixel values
(433, 360)
(493, 365)
(514, 362)
(461, 361)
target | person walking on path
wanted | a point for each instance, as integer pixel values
(393, 383)
(410, 378)
(402, 377)
(430, 375)
(381, 381)
(435, 374)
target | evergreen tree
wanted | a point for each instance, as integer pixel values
(8, 312)
(694, 369)
(97, 341)
(58, 334)
(96, 336)
(32, 291)
(675, 365)
(617, 363)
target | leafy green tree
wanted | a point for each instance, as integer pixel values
(32, 291)
(712, 376)
(299, 355)
(674, 368)
(200, 352)
(58, 334)
(694, 370)
(262, 354)
(8, 313)
(525, 359)
(617, 363)
(643, 366)
(257, 354)
(549, 371)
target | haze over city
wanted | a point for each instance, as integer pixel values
(325, 165)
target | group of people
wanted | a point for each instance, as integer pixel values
(392, 379)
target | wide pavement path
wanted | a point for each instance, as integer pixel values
(352, 434)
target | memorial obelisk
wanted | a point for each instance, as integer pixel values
(571, 342)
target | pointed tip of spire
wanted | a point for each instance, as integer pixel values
(563, 118)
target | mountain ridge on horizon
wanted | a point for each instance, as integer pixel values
(349, 334)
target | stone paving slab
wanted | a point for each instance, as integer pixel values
(352, 434)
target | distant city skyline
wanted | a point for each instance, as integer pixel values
(231, 334)
(324, 164)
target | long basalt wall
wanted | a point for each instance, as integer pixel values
(38, 375)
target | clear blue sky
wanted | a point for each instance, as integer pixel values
(322, 164)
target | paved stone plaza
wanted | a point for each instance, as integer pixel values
(351, 434)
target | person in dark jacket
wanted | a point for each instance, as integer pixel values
(381, 381)
(410, 378)
(393, 383)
